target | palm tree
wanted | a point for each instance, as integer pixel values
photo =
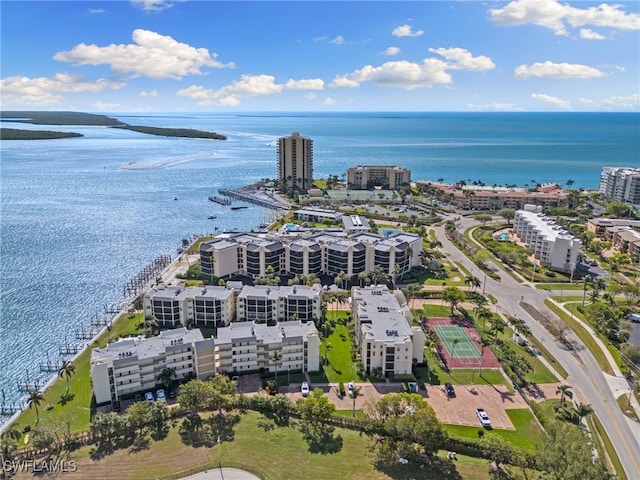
(35, 399)
(66, 370)
(361, 277)
(497, 326)
(276, 357)
(327, 348)
(355, 393)
(582, 411)
(563, 390)
(483, 343)
(167, 377)
(570, 183)
(151, 324)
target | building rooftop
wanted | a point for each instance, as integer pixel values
(142, 347)
(380, 315)
(261, 332)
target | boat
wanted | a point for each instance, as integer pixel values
(212, 217)
(238, 207)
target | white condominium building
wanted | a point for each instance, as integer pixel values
(621, 183)
(247, 347)
(384, 333)
(206, 306)
(295, 161)
(268, 304)
(323, 253)
(364, 177)
(553, 246)
(133, 365)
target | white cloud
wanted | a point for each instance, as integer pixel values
(248, 86)
(615, 103)
(151, 55)
(319, 39)
(461, 59)
(406, 31)
(309, 84)
(329, 101)
(555, 101)
(631, 102)
(589, 34)
(557, 70)
(150, 93)
(391, 51)
(46, 90)
(339, 40)
(96, 10)
(554, 16)
(409, 75)
(493, 107)
(311, 96)
(152, 5)
(60, 82)
(105, 106)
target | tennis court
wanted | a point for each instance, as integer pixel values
(457, 342)
(460, 344)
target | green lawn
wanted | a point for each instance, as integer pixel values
(78, 402)
(540, 373)
(457, 376)
(583, 334)
(526, 434)
(560, 286)
(340, 367)
(432, 310)
(280, 453)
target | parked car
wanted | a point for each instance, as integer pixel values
(483, 417)
(160, 395)
(149, 397)
(173, 393)
(449, 389)
(304, 389)
(137, 398)
(350, 389)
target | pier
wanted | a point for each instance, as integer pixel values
(251, 197)
(7, 409)
(49, 366)
(28, 385)
(220, 200)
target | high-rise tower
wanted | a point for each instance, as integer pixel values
(295, 161)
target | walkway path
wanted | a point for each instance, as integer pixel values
(222, 474)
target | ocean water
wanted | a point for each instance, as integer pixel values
(80, 217)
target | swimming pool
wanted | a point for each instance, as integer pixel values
(503, 236)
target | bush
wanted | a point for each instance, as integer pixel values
(341, 389)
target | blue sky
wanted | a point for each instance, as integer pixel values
(165, 56)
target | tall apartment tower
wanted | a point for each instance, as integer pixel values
(621, 183)
(295, 161)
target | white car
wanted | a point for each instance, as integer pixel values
(160, 395)
(304, 389)
(350, 389)
(483, 417)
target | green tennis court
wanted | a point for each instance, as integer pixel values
(464, 348)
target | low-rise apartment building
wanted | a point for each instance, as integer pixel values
(552, 245)
(317, 215)
(386, 339)
(319, 253)
(621, 183)
(365, 177)
(133, 365)
(480, 197)
(271, 304)
(206, 306)
(244, 347)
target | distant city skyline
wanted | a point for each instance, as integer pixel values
(200, 56)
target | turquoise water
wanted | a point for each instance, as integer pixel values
(80, 217)
(503, 236)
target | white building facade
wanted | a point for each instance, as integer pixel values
(621, 183)
(364, 177)
(244, 347)
(386, 339)
(206, 306)
(553, 246)
(135, 365)
(321, 253)
(271, 304)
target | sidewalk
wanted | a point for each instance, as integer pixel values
(618, 383)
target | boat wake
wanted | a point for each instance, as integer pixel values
(156, 163)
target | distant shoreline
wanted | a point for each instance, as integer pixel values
(84, 119)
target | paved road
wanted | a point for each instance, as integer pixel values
(583, 369)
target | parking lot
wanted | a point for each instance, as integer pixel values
(458, 410)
